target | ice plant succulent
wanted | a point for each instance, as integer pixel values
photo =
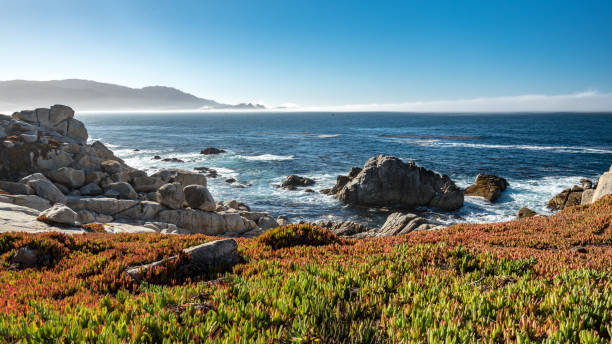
(546, 279)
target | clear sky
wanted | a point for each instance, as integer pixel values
(316, 53)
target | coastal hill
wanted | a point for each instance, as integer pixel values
(91, 95)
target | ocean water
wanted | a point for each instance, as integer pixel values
(539, 154)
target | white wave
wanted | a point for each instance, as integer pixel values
(267, 157)
(554, 149)
(328, 136)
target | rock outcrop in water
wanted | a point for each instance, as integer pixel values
(488, 186)
(388, 181)
(46, 165)
(572, 196)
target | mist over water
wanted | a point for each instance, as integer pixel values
(539, 154)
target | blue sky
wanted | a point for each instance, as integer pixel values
(316, 53)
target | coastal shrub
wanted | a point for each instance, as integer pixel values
(94, 227)
(519, 281)
(297, 234)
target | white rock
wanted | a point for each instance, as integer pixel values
(30, 201)
(44, 188)
(604, 186)
(68, 176)
(61, 214)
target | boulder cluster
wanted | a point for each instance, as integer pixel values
(386, 181)
(48, 170)
(573, 196)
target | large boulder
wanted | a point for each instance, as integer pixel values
(387, 181)
(105, 206)
(68, 176)
(345, 228)
(217, 254)
(488, 186)
(198, 197)
(44, 188)
(30, 201)
(604, 186)
(205, 222)
(171, 195)
(403, 223)
(59, 214)
(124, 190)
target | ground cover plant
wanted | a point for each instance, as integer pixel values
(543, 279)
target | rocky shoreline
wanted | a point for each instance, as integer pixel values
(52, 180)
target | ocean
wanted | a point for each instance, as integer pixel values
(539, 154)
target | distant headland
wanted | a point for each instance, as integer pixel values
(89, 95)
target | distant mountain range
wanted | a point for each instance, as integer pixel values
(85, 95)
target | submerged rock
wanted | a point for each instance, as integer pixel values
(488, 186)
(387, 181)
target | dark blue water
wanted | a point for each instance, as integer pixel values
(539, 154)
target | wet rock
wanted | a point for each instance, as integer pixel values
(230, 180)
(211, 151)
(488, 186)
(198, 197)
(566, 198)
(173, 160)
(293, 181)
